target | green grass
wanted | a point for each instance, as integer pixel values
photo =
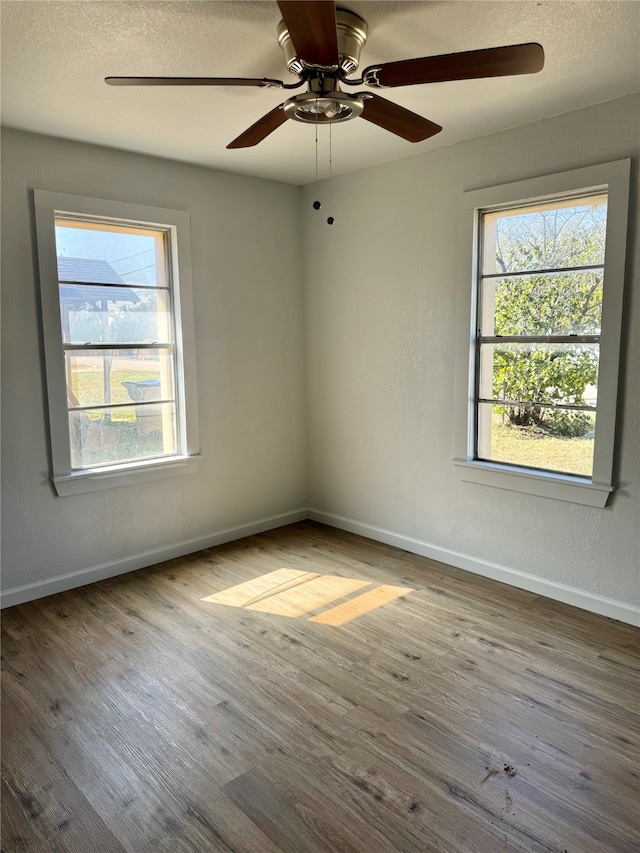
(119, 434)
(523, 447)
(88, 386)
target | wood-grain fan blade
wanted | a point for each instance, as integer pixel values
(260, 130)
(312, 27)
(398, 120)
(264, 82)
(470, 65)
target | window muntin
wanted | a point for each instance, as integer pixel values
(117, 340)
(540, 289)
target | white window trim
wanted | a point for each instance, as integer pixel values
(614, 178)
(65, 480)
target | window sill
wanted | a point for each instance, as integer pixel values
(96, 479)
(546, 485)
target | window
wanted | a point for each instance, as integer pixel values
(547, 257)
(118, 329)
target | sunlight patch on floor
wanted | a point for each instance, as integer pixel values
(363, 603)
(292, 593)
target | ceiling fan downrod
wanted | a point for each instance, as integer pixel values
(351, 32)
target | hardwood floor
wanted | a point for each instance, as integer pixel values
(422, 710)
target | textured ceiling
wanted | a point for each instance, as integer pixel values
(56, 54)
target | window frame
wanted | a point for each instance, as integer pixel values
(612, 178)
(49, 206)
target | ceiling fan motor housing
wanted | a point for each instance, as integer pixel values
(352, 36)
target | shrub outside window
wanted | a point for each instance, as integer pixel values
(541, 359)
(538, 333)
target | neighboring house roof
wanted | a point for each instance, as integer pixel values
(94, 273)
(87, 269)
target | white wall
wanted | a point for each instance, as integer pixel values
(248, 305)
(380, 310)
(380, 291)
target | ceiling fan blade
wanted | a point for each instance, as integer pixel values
(260, 130)
(194, 81)
(397, 119)
(312, 27)
(470, 65)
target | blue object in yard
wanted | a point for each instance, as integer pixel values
(148, 418)
(145, 389)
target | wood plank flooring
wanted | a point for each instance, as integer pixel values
(427, 711)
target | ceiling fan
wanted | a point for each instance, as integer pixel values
(322, 47)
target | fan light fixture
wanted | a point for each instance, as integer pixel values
(325, 108)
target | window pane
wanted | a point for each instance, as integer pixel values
(108, 436)
(566, 234)
(544, 373)
(546, 304)
(564, 445)
(109, 254)
(91, 314)
(99, 377)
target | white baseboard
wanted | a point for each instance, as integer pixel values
(550, 589)
(61, 583)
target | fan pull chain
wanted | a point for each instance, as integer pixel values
(316, 203)
(330, 219)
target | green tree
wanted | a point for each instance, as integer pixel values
(556, 302)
